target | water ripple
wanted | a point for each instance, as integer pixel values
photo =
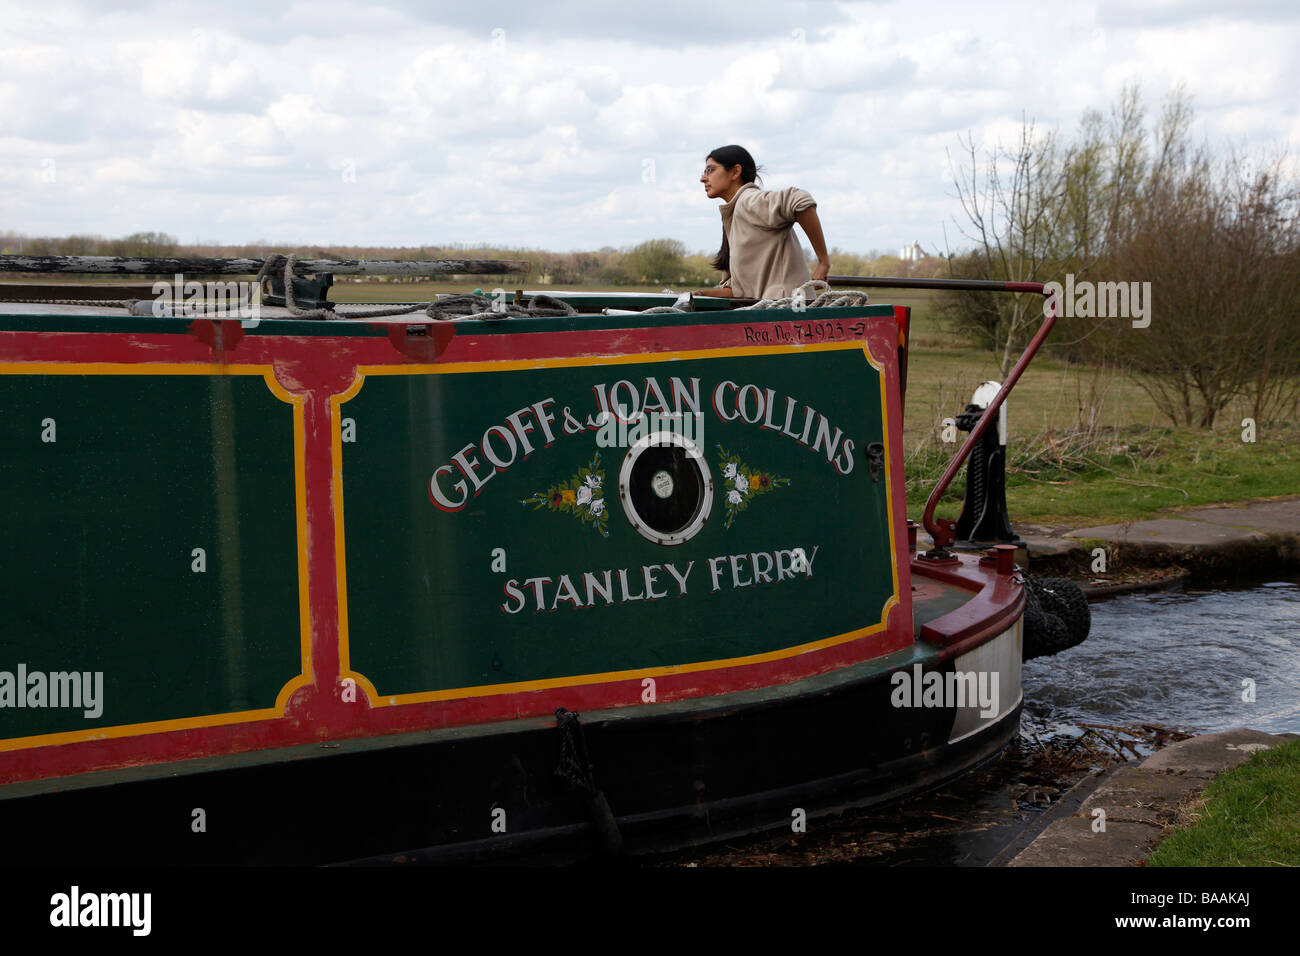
(1183, 659)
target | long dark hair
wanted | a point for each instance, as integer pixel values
(729, 157)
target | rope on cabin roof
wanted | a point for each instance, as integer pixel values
(94, 303)
(442, 308)
(811, 298)
(461, 306)
(807, 292)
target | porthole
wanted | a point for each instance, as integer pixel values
(665, 488)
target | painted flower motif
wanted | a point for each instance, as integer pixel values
(742, 484)
(579, 496)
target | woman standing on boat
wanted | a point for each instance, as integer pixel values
(760, 253)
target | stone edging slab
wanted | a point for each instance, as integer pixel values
(1136, 803)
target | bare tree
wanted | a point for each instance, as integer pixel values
(1011, 202)
(1048, 208)
(1219, 241)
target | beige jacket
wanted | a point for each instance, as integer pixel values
(766, 261)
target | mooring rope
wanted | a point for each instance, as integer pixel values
(811, 298)
(96, 303)
(459, 306)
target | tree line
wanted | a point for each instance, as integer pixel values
(655, 262)
(1215, 233)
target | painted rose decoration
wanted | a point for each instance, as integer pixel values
(743, 483)
(580, 496)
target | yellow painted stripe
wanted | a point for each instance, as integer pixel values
(304, 678)
(489, 690)
(136, 730)
(889, 488)
(511, 365)
(380, 700)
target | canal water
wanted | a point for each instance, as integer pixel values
(1194, 661)
(1201, 661)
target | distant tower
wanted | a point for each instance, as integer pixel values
(913, 253)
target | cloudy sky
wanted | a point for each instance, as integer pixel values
(576, 125)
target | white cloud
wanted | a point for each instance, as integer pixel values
(527, 125)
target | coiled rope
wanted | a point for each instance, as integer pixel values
(810, 298)
(459, 306)
(806, 296)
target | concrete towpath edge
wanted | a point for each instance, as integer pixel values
(1137, 802)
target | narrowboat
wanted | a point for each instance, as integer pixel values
(561, 580)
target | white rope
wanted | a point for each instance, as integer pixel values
(807, 293)
(808, 297)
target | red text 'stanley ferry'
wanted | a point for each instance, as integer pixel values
(537, 576)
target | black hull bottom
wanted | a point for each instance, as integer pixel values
(670, 776)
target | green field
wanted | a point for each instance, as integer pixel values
(1086, 445)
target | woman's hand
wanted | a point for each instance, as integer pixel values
(812, 226)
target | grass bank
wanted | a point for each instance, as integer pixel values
(1128, 474)
(1249, 816)
(1087, 446)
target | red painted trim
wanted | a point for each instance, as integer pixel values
(319, 367)
(298, 355)
(998, 601)
(903, 316)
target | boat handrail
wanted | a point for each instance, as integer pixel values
(943, 531)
